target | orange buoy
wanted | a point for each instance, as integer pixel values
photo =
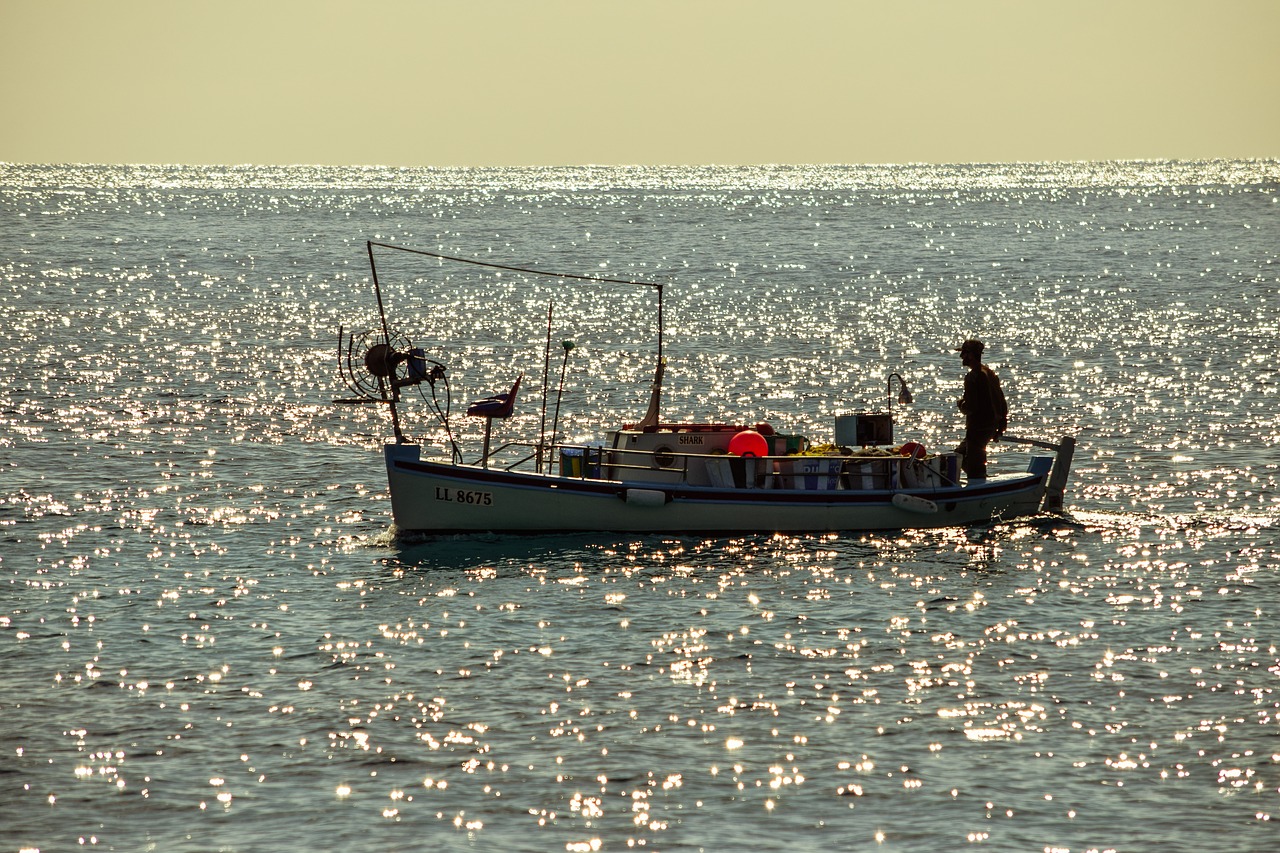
(913, 450)
(748, 442)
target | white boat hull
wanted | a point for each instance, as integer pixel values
(440, 497)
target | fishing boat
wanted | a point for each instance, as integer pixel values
(653, 475)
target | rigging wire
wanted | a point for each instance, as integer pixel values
(526, 270)
(434, 404)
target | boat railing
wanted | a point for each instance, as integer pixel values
(874, 469)
(881, 470)
(593, 458)
(591, 461)
(501, 450)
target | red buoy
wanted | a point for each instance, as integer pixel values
(748, 442)
(913, 450)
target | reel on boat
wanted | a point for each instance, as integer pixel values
(374, 366)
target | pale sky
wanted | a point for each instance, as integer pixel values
(568, 82)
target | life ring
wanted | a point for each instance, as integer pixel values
(663, 457)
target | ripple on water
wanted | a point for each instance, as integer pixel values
(210, 638)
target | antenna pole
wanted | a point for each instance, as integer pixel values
(660, 289)
(546, 376)
(555, 424)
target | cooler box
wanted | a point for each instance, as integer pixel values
(788, 445)
(864, 430)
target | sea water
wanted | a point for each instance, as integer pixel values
(211, 640)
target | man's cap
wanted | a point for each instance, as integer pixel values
(971, 345)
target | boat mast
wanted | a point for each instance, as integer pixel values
(389, 397)
(652, 417)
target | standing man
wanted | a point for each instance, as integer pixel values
(986, 415)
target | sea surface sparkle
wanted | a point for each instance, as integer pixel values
(209, 638)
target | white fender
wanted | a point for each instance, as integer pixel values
(646, 497)
(914, 503)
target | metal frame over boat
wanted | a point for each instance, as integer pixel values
(654, 476)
